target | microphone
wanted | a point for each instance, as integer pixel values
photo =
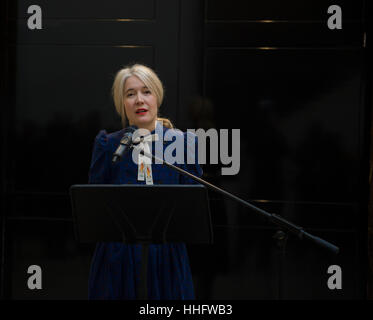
(124, 144)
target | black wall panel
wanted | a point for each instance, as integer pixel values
(297, 91)
(306, 146)
(142, 9)
(288, 10)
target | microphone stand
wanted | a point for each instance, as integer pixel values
(280, 235)
(274, 218)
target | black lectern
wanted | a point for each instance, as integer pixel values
(141, 214)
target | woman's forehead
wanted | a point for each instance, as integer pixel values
(134, 82)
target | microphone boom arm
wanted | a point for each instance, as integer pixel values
(274, 218)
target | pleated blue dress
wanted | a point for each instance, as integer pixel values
(115, 266)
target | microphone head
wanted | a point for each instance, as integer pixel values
(127, 136)
(125, 143)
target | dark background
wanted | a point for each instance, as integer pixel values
(299, 92)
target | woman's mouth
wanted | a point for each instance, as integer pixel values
(141, 111)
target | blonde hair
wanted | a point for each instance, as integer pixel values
(149, 78)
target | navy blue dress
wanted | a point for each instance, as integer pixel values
(115, 267)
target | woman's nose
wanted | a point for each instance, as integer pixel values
(139, 98)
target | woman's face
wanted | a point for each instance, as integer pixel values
(140, 104)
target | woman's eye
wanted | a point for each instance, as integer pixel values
(147, 92)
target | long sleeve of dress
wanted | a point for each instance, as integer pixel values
(99, 170)
(191, 154)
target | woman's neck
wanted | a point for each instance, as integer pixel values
(151, 127)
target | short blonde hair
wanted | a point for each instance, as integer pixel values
(148, 77)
